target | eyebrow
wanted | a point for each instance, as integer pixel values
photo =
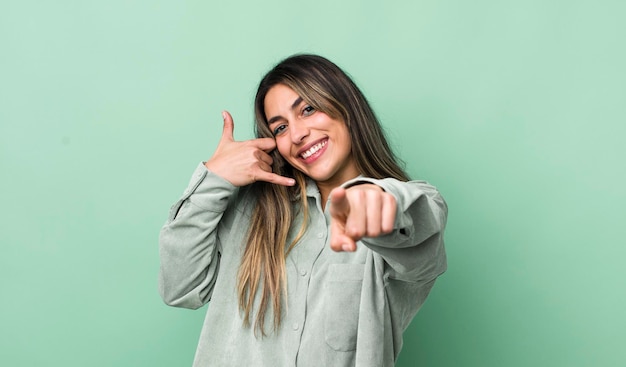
(293, 107)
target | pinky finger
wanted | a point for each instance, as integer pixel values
(274, 178)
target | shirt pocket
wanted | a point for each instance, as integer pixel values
(343, 299)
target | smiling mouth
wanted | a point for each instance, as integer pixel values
(314, 149)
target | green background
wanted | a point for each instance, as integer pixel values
(514, 109)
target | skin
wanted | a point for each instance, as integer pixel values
(363, 210)
(244, 162)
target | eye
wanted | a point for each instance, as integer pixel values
(279, 129)
(308, 110)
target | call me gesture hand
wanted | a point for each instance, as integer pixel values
(244, 162)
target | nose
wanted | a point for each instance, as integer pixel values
(298, 130)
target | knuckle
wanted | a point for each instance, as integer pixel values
(356, 232)
(373, 233)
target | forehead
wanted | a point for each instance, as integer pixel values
(279, 99)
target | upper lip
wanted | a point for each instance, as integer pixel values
(308, 146)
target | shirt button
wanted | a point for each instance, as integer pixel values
(295, 326)
(303, 272)
(320, 235)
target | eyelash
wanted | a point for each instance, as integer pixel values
(278, 129)
(306, 111)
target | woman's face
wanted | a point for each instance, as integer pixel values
(311, 141)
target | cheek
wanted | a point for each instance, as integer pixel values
(344, 136)
(283, 148)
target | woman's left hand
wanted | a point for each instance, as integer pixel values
(360, 211)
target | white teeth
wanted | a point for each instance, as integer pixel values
(309, 152)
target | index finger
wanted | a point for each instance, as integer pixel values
(339, 204)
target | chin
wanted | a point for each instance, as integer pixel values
(318, 176)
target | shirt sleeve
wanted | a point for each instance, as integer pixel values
(188, 243)
(414, 250)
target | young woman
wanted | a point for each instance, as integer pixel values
(310, 242)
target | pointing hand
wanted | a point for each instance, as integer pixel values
(360, 211)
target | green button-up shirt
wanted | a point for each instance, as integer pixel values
(341, 308)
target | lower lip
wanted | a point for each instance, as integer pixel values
(313, 157)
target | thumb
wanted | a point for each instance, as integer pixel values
(229, 126)
(339, 204)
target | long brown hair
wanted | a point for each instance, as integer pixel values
(328, 89)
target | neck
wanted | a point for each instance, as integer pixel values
(324, 193)
(325, 188)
